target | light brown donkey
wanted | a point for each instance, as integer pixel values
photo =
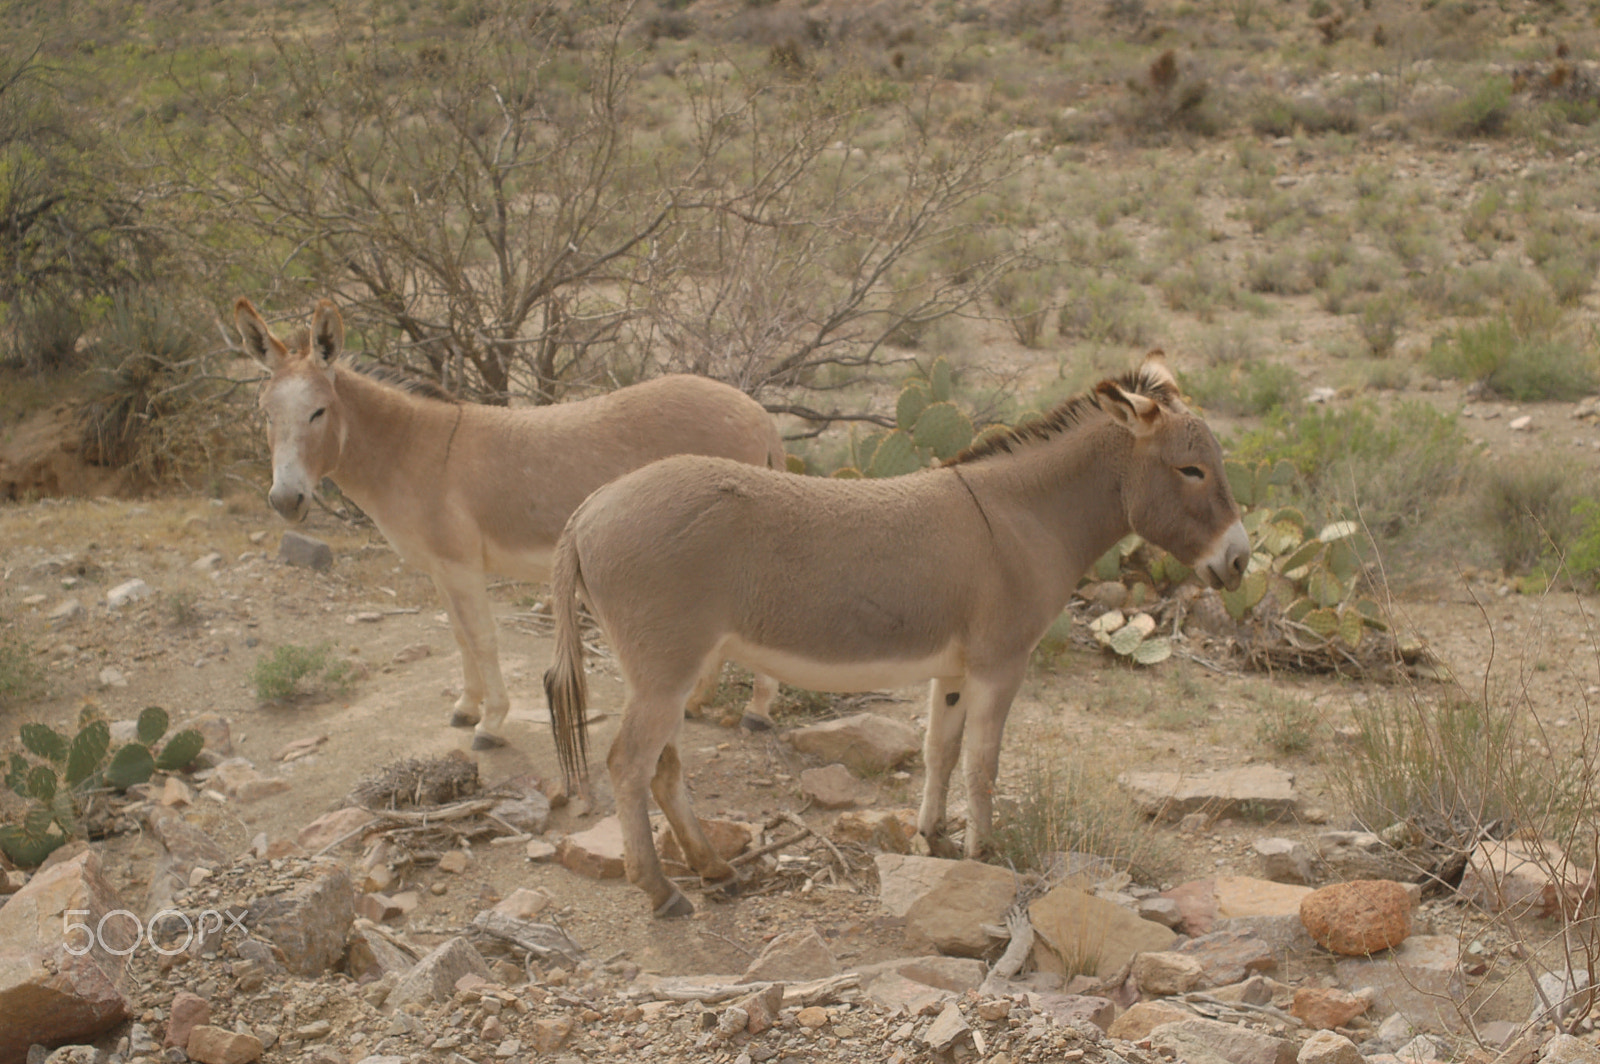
(460, 489)
(951, 574)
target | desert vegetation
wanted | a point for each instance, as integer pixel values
(1365, 231)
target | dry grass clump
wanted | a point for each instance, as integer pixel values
(1531, 510)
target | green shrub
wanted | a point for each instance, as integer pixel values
(21, 678)
(1531, 511)
(278, 676)
(1242, 390)
(1483, 112)
(1289, 726)
(1509, 362)
(1106, 311)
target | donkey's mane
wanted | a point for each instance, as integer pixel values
(1069, 413)
(410, 383)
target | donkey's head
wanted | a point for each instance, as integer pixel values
(1174, 489)
(304, 428)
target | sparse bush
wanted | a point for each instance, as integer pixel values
(1288, 726)
(278, 677)
(1169, 98)
(1379, 322)
(21, 678)
(1485, 111)
(1508, 362)
(1531, 511)
(1106, 311)
(48, 328)
(1024, 298)
(1065, 804)
(1244, 390)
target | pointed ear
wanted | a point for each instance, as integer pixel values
(1155, 367)
(259, 342)
(327, 333)
(1139, 414)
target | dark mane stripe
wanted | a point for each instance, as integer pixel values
(410, 383)
(1066, 415)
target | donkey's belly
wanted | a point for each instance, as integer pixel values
(858, 674)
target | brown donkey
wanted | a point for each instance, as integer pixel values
(460, 489)
(951, 574)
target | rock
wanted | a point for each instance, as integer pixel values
(111, 676)
(186, 843)
(298, 748)
(1136, 1024)
(761, 1009)
(812, 1017)
(1565, 991)
(947, 1029)
(550, 1035)
(1420, 1048)
(1196, 1038)
(207, 563)
(433, 978)
(1163, 973)
(187, 1012)
(1520, 424)
(342, 827)
(1229, 956)
(1421, 979)
(1359, 918)
(945, 903)
(833, 787)
(793, 957)
(305, 552)
(128, 591)
(1203, 902)
(728, 839)
(529, 814)
(1285, 861)
(308, 925)
(1324, 1008)
(218, 1045)
(1325, 1047)
(1074, 1010)
(1256, 990)
(1351, 855)
(1566, 1049)
(596, 853)
(1076, 931)
(540, 850)
(864, 743)
(68, 611)
(1283, 934)
(1163, 911)
(175, 792)
(525, 904)
(217, 733)
(377, 907)
(1264, 790)
(1525, 876)
(413, 652)
(454, 861)
(371, 956)
(48, 995)
(887, 830)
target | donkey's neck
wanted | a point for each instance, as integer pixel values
(1066, 490)
(388, 436)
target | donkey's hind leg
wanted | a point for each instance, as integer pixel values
(649, 724)
(758, 714)
(673, 797)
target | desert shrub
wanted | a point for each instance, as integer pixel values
(1509, 362)
(21, 678)
(279, 676)
(1107, 311)
(1448, 768)
(1170, 98)
(45, 336)
(1379, 322)
(1530, 509)
(1024, 298)
(1242, 390)
(1198, 288)
(1390, 469)
(1288, 726)
(1583, 559)
(1282, 271)
(1068, 804)
(1485, 111)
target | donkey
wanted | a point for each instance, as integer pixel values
(460, 489)
(950, 575)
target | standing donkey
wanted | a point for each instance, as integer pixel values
(460, 489)
(950, 574)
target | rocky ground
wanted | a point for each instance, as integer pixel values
(375, 891)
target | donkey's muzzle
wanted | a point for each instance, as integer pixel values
(290, 502)
(1226, 564)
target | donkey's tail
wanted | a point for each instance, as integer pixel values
(564, 683)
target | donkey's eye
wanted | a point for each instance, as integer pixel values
(1192, 472)
(319, 413)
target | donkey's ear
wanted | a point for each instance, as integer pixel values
(327, 333)
(1155, 369)
(259, 342)
(1139, 414)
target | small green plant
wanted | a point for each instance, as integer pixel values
(21, 678)
(68, 770)
(182, 609)
(278, 676)
(1532, 510)
(1024, 298)
(1525, 364)
(928, 426)
(1288, 726)
(1583, 558)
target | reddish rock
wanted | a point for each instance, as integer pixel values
(596, 853)
(762, 1008)
(833, 787)
(48, 995)
(1525, 875)
(1324, 1008)
(330, 828)
(1144, 1017)
(218, 1045)
(188, 1011)
(728, 838)
(793, 957)
(889, 830)
(1358, 918)
(550, 1035)
(308, 924)
(1229, 956)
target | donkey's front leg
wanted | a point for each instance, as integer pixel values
(990, 701)
(467, 601)
(947, 716)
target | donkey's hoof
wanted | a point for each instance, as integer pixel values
(752, 723)
(462, 719)
(486, 741)
(675, 906)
